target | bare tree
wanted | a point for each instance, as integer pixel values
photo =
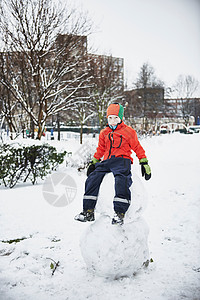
(150, 93)
(46, 46)
(107, 74)
(184, 88)
(83, 110)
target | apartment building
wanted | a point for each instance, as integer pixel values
(149, 111)
(44, 79)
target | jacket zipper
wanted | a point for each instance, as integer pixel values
(120, 141)
(109, 136)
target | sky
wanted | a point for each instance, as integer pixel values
(164, 33)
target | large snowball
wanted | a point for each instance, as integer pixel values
(113, 250)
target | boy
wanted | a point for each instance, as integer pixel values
(115, 144)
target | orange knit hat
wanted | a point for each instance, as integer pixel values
(115, 109)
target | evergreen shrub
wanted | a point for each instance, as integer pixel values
(27, 163)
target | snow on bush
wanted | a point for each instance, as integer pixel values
(22, 163)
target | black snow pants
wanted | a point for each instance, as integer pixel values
(121, 169)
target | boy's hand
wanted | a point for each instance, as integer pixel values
(91, 166)
(145, 168)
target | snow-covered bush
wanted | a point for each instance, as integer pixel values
(22, 163)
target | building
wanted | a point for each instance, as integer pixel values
(107, 70)
(150, 110)
(144, 107)
(48, 80)
(183, 109)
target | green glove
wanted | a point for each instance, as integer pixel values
(145, 168)
(91, 166)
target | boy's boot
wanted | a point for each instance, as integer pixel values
(85, 216)
(118, 218)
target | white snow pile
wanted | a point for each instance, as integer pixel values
(98, 260)
(114, 251)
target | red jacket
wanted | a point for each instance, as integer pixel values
(119, 142)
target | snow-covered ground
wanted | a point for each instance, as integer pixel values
(172, 214)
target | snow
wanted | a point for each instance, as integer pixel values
(115, 251)
(166, 209)
(119, 251)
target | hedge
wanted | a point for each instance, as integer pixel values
(27, 163)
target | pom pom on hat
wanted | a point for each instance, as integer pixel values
(115, 109)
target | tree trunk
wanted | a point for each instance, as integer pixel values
(32, 129)
(81, 134)
(58, 124)
(39, 131)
